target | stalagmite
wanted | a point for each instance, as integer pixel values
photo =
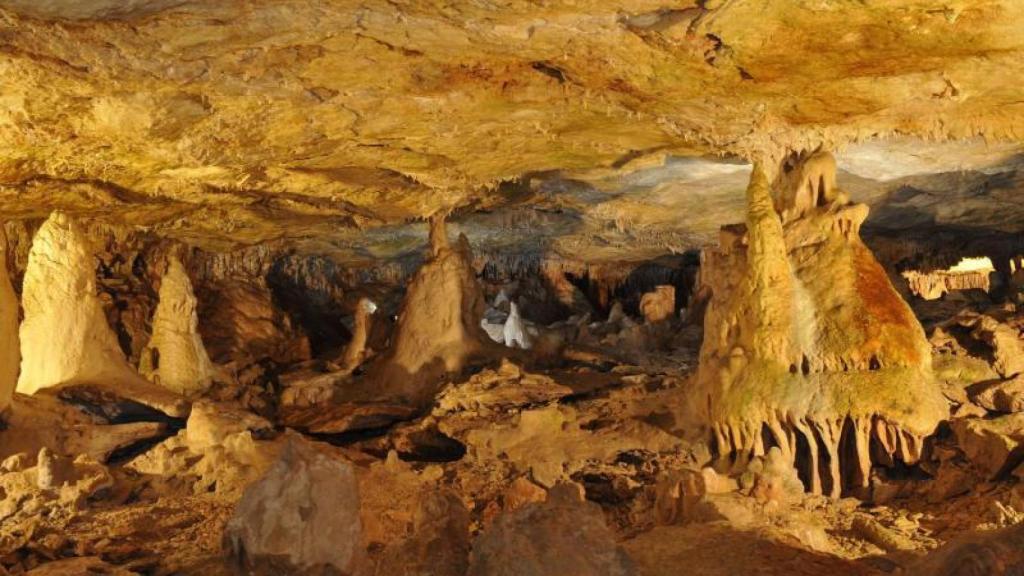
(438, 327)
(807, 345)
(10, 354)
(65, 338)
(355, 351)
(514, 332)
(175, 357)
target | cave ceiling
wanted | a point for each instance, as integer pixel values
(608, 130)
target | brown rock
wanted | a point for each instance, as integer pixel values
(659, 305)
(993, 445)
(438, 545)
(438, 329)
(994, 553)
(559, 536)
(521, 492)
(1006, 397)
(676, 497)
(302, 515)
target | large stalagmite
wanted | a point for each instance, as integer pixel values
(65, 338)
(438, 327)
(175, 357)
(9, 350)
(807, 345)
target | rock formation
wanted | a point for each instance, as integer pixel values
(438, 327)
(807, 345)
(175, 357)
(10, 353)
(514, 332)
(65, 338)
(994, 553)
(659, 304)
(355, 350)
(564, 535)
(303, 515)
(968, 274)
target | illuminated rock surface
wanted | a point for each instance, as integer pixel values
(10, 353)
(65, 338)
(473, 263)
(175, 357)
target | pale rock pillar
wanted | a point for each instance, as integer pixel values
(65, 338)
(175, 357)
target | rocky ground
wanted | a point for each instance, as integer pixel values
(582, 462)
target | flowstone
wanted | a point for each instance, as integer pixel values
(65, 338)
(807, 345)
(175, 357)
(10, 355)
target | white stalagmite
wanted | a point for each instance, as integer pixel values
(175, 357)
(65, 338)
(515, 331)
(10, 355)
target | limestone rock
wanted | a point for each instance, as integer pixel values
(10, 353)
(514, 332)
(438, 327)
(659, 305)
(175, 357)
(521, 492)
(355, 350)
(932, 286)
(993, 553)
(497, 390)
(1006, 396)
(302, 515)
(65, 338)
(438, 544)
(993, 445)
(806, 336)
(78, 566)
(1004, 341)
(210, 424)
(562, 535)
(239, 323)
(774, 478)
(41, 421)
(676, 497)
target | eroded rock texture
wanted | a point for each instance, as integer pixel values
(65, 338)
(562, 535)
(175, 357)
(807, 346)
(303, 515)
(10, 352)
(438, 328)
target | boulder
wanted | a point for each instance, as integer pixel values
(1006, 396)
(1004, 341)
(438, 544)
(563, 535)
(210, 423)
(303, 515)
(992, 445)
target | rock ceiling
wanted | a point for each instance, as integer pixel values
(334, 124)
